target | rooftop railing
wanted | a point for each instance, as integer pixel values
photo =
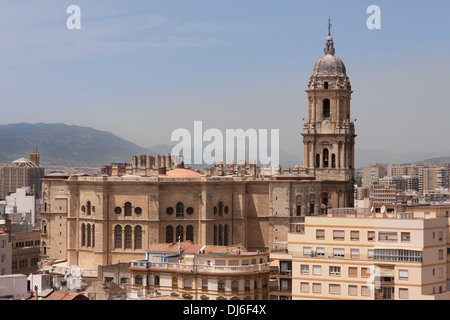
(142, 264)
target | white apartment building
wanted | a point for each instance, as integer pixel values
(5, 254)
(22, 207)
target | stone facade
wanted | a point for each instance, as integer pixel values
(98, 220)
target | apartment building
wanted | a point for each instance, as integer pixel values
(397, 170)
(383, 193)
(394, 253)
(5, 254)
(433, 178)
(22, 173)
(202, 272)
(372, 173)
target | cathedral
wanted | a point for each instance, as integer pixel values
(116, 215)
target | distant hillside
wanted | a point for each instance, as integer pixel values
(64, 144)
(435, 161)
(365, 157)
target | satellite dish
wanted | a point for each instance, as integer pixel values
(383, 209)
(371, 209)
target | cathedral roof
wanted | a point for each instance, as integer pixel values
(181, 173)
(329, 65)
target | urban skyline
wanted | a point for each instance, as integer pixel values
(145, 70)
(156, 228)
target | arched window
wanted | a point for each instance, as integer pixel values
(187, 283)
(88, 235)
(247, 285)
(299, 206)
(326, 157)
(326, 108)
(128, 209)
(44, 226)
(88, 208)
(234, 285)
(156, 280)
(138, 237)
(128, 237)
(180, 209)
(204, 284)
(117, 237)
(225, 235)
(174, 282)
(169, 234)
(215, 235)
(325, 85)
(220, 240)
(93, 235)
(179, 233)
(317, 160)
(83, 235)
(333, 160)
(190, 233)
(138, 280)
(220, 209)
(221, 285)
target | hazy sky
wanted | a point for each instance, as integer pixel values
(143, 68)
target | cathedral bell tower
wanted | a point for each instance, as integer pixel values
(328, 133)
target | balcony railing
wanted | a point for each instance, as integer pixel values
(141, 264)
(297, 228)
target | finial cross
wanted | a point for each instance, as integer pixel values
(329, 26)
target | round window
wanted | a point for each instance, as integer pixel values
(118, 210)
(169, 210)
(137, 210)
(190, 210)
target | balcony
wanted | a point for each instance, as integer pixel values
(145, 265)
(297, 228)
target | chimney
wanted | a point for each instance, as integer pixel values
(115, 171)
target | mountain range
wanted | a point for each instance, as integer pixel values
(76, 146)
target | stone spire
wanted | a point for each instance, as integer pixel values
(329, 46)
